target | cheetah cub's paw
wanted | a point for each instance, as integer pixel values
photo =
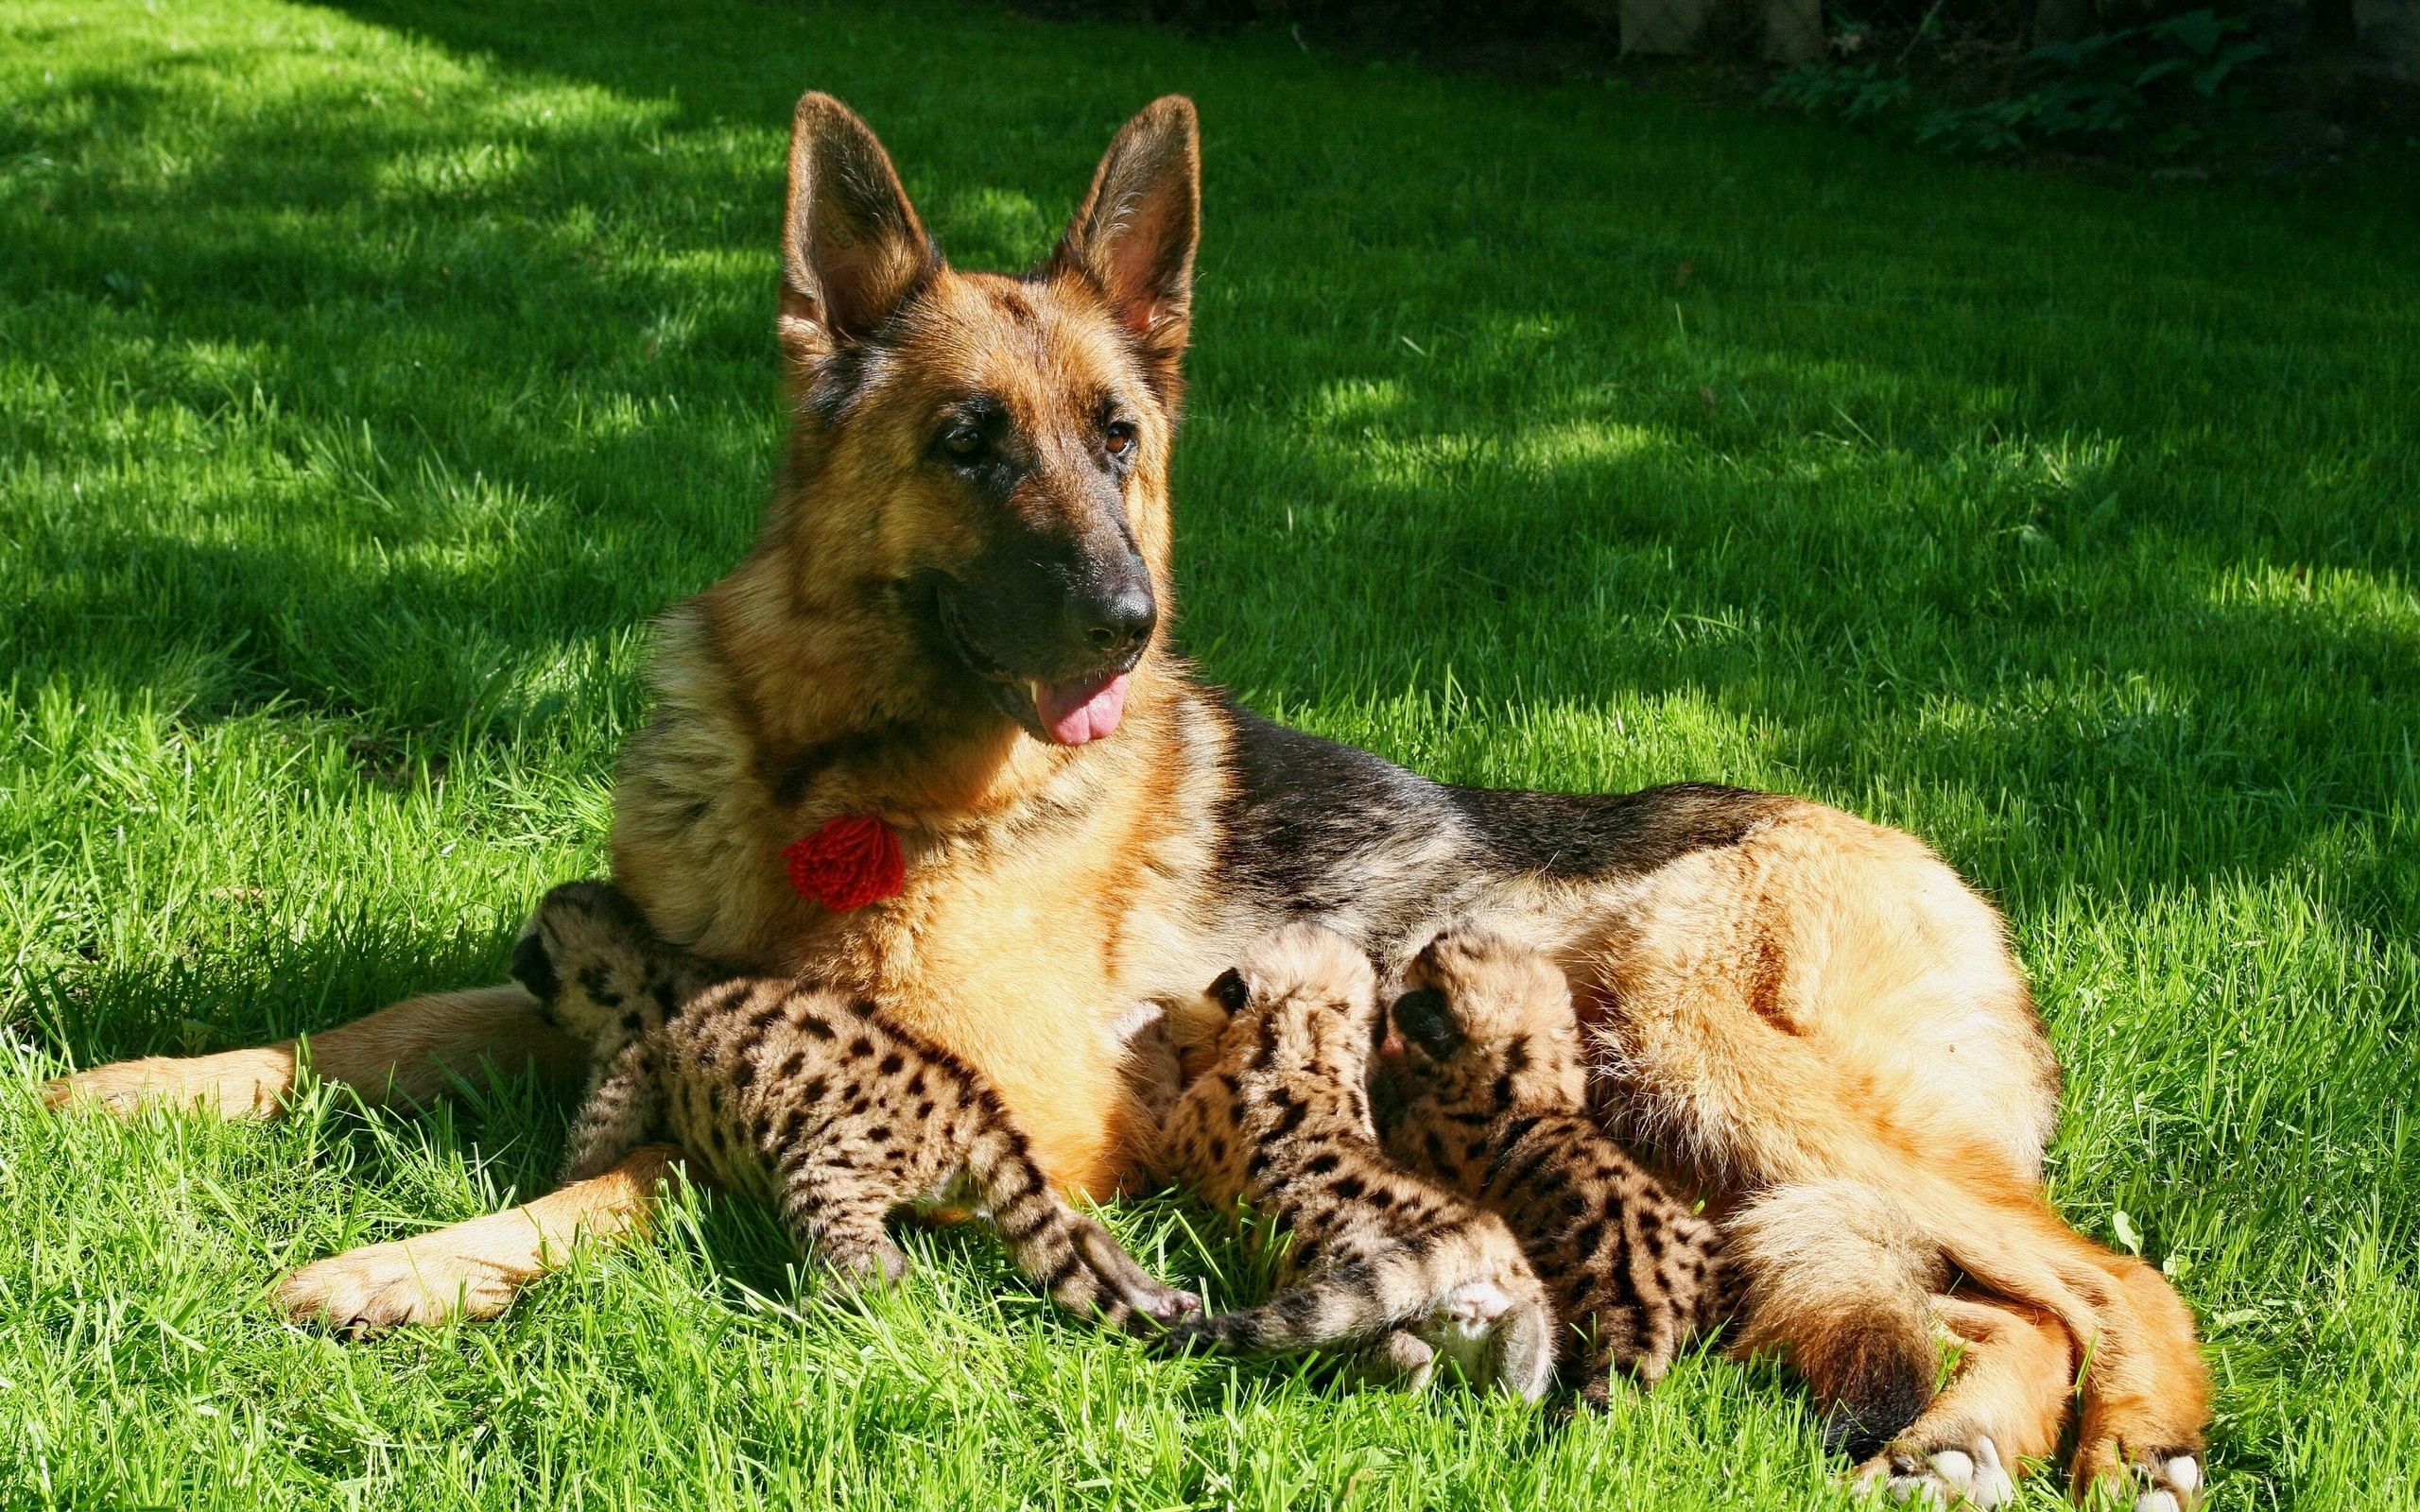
(1492, 1337)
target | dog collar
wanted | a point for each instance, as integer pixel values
(852, 861)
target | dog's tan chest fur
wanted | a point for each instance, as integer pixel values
(1022, 953)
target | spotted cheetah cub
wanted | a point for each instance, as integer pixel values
(805, 1098)
(1380, 1258)
(1494, 1103)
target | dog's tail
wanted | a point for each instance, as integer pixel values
(1835, 1279)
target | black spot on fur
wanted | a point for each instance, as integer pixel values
(815, 1026)
(1436, 1148)
(744, 1075)
(598, 983)
(892, 1064)
(1063, 1273)
(860, 1047)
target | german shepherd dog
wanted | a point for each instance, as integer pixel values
(956, 620)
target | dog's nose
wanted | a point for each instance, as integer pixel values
(1120, 619)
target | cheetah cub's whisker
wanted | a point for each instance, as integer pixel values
(807, 1098)
(1380, 1258)
(1494, 1103)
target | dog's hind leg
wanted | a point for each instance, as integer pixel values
(2148, 1395)
(2006, 1406)
(409, 1052)
(475, 1268)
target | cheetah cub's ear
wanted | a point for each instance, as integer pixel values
(583, 955)
(1481, 1002)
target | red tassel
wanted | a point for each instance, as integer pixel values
(853, 861)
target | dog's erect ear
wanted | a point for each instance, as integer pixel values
(852, 248)
(1135, 233)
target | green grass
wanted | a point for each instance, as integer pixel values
(369, 374)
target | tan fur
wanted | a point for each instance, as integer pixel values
(1823, 1000)
(475, 1268)
(410, 1053)
(2014, 1365)
(1839, 1283)
(1375, 1257)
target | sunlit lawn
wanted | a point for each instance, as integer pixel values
(370, 374)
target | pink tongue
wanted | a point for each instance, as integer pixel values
(1075, 712)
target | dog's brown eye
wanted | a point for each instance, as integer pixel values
(962, 441)
(1119, 437)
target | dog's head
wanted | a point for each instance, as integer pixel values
(978, 477)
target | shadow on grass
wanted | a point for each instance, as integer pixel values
(1509, 382)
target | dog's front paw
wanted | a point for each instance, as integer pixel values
(383, 1286)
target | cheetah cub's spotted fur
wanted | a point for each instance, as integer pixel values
(1494, 1103)
(1380, 1258)
(805, 1098)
